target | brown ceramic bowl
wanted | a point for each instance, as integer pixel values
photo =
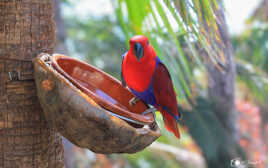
(68, 93)
(104, 89)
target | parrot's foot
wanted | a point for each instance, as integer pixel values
(133, 101)
(150, 110)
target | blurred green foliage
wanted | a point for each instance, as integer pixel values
(251, 48)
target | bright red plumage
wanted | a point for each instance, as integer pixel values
(140, 74)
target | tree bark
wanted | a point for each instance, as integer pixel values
(26, 29)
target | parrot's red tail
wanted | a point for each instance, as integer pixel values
(171, 124)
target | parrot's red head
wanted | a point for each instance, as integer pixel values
(139, 46)
(139, 63)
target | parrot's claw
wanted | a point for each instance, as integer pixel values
(133, 101)
(150, 110)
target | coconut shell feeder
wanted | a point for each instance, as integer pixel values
(90, 108)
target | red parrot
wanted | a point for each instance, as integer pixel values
(149, 80)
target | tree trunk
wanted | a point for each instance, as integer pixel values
(221, 83)
(222, 93)
(26, 29)
(213, 122)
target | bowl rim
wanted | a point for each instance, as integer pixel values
(124, 114)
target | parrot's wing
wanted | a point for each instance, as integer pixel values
(123, 82)
(166, 98)
(163, 88)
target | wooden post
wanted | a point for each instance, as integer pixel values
(26, 29)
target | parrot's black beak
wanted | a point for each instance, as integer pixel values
(138, 51)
